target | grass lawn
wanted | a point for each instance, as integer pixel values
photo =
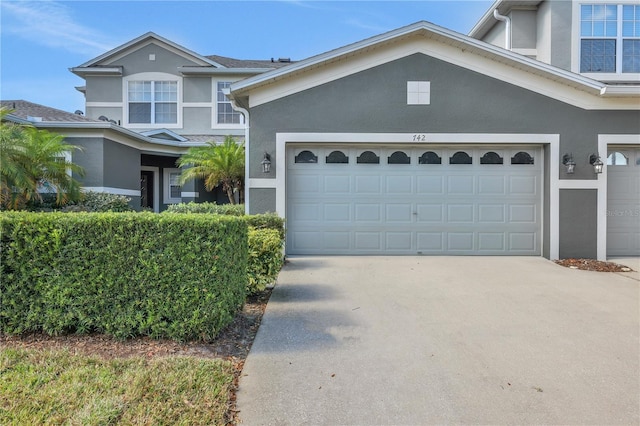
(44, 386)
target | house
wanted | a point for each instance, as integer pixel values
(520, 138)
(422, 140)
(147, 102)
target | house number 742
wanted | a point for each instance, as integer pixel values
(419, 138)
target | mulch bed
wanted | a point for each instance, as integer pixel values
(593, 265)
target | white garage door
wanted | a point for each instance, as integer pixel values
(623, 204)
(414, 200)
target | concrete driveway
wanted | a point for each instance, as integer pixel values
(441, 340)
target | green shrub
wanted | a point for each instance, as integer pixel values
(265, 259)
(89, 201)
(267, 221)
(125, 274)
(100, 202)
(211, 208)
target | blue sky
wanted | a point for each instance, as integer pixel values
(41, 40)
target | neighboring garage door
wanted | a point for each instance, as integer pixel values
(623, 204)
(414, 200)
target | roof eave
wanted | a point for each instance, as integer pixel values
(97, 71)
(186, 70)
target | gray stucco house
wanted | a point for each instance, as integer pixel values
(426, 141)
(420, 140)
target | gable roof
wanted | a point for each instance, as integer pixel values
(249, 63)
(106, 58)
(461, 50)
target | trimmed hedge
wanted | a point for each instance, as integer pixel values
(265, 259)
(211, 208)
(125, 274)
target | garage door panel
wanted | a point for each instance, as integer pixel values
(367, 184)
(337, 240)
(522, 213)
(430, 242)
(413, 208)
(399, 213)
(523, 185)
(368, 240)
(460, 185)
(398, 241)
(522, 241)
(491, 185)
(337, 184)
(460, 241)
(368, 213)
(306, 184)
(432, 213)
(430, 185)
(460, 213)
(491, 213)
(491, 241)
(337, 212)
(305, 212)
(399, 184)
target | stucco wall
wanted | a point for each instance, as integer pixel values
(121, 165)
(561, 13)
(262, 200)
(524, 29)
(578, 223)
(462, 101)
(90, 157)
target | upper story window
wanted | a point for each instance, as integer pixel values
(609, 38)
(153, 102)
(226, 113)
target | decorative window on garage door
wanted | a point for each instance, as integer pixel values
(306, 157)
(368, 157)
(491, 158)
(617, 158)
(337, 157)
(522, 158)
(399, 157)
(460, 157)
(430, 157)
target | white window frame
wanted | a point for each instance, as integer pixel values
(154, 77)
(214, 118)
(577, 42)
(166, 185)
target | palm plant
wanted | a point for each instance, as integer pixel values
(216, 165)
(33, 162)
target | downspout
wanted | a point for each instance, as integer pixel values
(244, 111)
(507, 31)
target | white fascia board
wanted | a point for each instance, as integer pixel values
(97, 71)
(620, 91)
(186, 70)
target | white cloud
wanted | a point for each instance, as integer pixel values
(52, 24)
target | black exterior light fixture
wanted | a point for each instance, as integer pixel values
(266, 163)
(568, 162)
(596, 162)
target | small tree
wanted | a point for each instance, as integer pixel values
(34, 161)
(216, 165)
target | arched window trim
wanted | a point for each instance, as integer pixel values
(368, 157)
(337, 157)
(429, 157)
(399, 157)
(460, 157)
(306, 156)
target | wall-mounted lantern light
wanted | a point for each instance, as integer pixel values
(568, 162)
(266, 163)
(596, 162)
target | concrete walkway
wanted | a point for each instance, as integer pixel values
(441, 340)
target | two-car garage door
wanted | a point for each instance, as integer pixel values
(461, 200)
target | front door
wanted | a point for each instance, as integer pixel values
(146, 189)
